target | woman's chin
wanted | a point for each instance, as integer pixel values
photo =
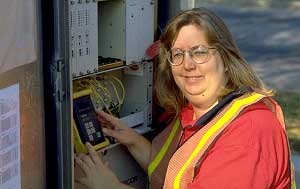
(194, 92)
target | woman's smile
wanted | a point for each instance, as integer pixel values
(193, 79)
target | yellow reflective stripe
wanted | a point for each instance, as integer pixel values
(163, 150)
(222, 121)
(293, 183)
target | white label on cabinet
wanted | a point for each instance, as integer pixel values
(10, 165)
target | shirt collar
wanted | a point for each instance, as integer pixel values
(187, 116)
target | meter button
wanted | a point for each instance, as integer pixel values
(89, 131)
(91, 137)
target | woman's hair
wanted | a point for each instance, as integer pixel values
(239, 73)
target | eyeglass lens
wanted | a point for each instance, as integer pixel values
(198, 54)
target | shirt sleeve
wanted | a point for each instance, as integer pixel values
(251, 154)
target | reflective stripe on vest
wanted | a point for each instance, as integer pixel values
(177, 177)
(163, 150)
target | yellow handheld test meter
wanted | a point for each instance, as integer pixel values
(86, 126)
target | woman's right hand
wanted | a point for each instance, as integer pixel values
(138, 146)
(114, 127)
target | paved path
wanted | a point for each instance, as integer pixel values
(270, 41)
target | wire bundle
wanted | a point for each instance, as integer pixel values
(108, 92)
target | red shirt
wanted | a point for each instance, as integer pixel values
(252, 153)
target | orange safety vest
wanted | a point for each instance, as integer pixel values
(172, 168)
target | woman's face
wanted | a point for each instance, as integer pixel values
(200, 83)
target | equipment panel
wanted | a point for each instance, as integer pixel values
(125, 29)
(108, 42)
(83, 22)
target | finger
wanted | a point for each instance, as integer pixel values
(107, 117)
(106, 163)
(106, 125)
(82, 165)
(111, 132)
(103, 122)
(87, 161)
(101, 112)
(82, 180)
(110, 121)
(103, 116)
(93, 154)
(106, 133)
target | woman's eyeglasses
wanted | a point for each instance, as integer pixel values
(199, 54)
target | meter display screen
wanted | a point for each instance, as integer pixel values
(83, 105)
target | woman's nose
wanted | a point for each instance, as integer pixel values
(188, 62)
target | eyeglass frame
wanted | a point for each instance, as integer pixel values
(189, 51)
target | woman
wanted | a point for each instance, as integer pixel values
(227, 132)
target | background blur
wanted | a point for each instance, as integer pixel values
(268, 35)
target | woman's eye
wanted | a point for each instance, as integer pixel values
(177, 55)
(199, 53)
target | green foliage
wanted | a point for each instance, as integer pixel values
(290, 103)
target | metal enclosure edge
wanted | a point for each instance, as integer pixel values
(62, 93)
(57, 79)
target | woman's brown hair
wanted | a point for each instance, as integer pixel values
(238, 72)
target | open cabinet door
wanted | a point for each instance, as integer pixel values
(73, 54)
(57, 95)
(22, 134)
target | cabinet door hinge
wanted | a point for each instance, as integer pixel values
(57, 68)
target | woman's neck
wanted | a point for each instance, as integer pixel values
(201, 109)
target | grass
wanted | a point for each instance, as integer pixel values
(290, 103)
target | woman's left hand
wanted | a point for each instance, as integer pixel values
(98, 175)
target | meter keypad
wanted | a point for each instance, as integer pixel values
(90, 130)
